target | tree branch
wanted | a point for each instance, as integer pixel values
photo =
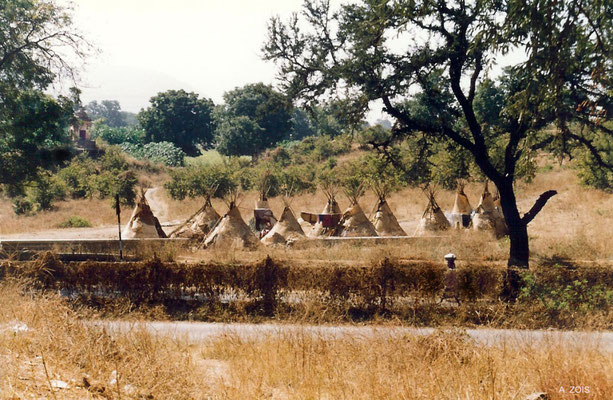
(538, 206)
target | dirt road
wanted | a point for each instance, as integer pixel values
(195, 332)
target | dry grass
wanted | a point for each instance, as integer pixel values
(58, 345)
(43, 340)
(444, 365)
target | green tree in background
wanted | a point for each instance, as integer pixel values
(107, 110)
(181, 118)
(239, 136)
(440, 50)
(265, 114)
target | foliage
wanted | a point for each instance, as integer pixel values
(107, 111)
(590, 171)
(435, 86)
(32, 134)
(22, 206)
(32, 33)
(239, 136)
(104, 178)
(317, 148)
(45, 191)
(561, 292)
(75, 222)
(160, 152)
(117, 135)
(201, 181)
(264, 115)
(39, 44)
(181, 118)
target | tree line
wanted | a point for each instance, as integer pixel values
(251, 119)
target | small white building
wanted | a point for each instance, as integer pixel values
(80, 129)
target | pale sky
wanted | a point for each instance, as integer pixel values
(149, 46)
(203, 46)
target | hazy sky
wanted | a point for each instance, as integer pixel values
(148, 46)
(204, 46)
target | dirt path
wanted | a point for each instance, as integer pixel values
(198, 331)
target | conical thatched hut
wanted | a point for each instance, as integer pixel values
(286, 230)
(355, 223)
(462, 210)
(327, 221)
(143, 224)
(231, 231)
(487, 216)
(385, 221)
(433, 218)
(199, 224)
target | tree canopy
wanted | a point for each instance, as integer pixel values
(428, 62)
(181, 118)
(269, 114)
(109, 111)
(38, 44)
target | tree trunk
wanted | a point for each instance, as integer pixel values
(519, 252)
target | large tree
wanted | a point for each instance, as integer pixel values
(181, 118)
(269, 113)
(442, 50)
(38, 44)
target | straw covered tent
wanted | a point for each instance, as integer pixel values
(433, 218)
(487, 216)
(325, 223)
(354, 222)
(231, 230)
(462, 210)
(143, 224)
(286, 231)
(198, 225)
(385, 221)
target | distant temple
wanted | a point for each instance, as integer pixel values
(80, 133)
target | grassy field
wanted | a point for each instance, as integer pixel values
(45, 344)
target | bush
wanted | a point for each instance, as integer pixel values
(22, 206)
(118, 135)
(46, 190)
(160, 152)
(75, 222)
(560, 288)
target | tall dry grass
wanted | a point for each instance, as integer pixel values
(42, 341)
(443, 365)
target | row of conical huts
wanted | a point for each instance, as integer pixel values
(209, 228)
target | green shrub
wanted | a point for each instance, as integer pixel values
(22, 206)
(119, 135)
(560, 288)
(75, 222)
(159, 152)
